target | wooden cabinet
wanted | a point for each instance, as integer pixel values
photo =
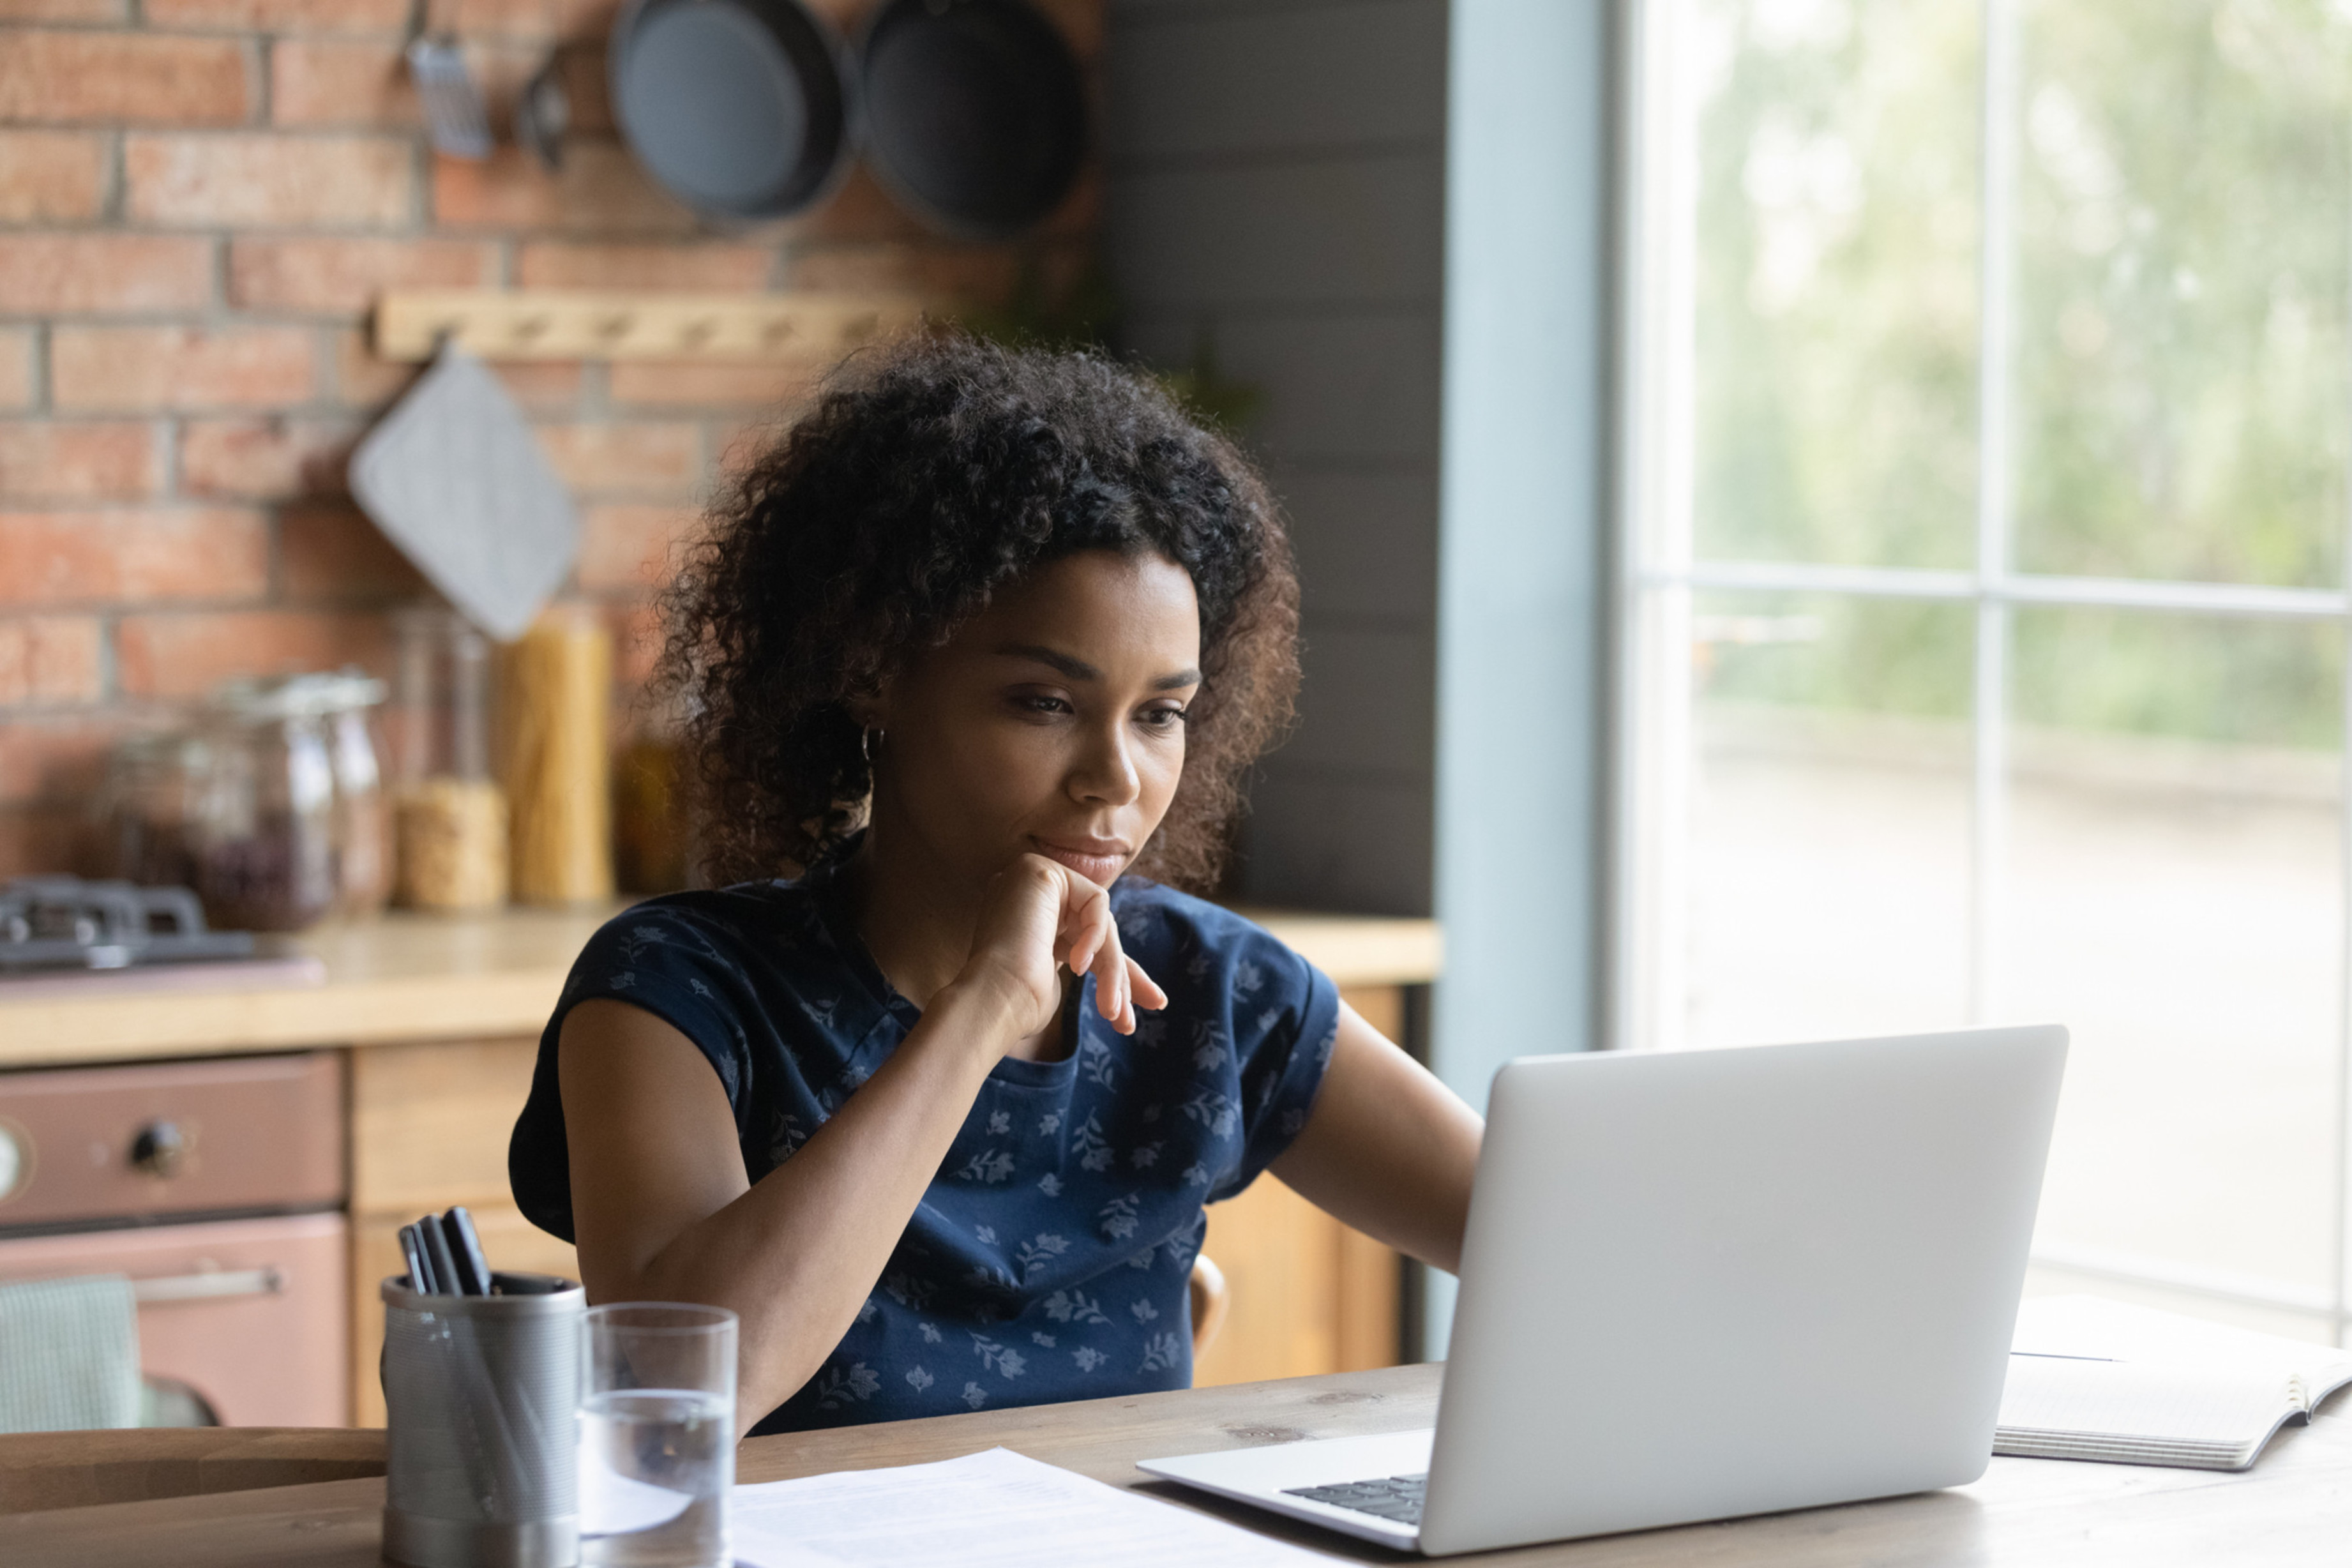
(429, 1126)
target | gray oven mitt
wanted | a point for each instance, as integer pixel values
(454, 478)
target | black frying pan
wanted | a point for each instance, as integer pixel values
(975, 112)
(739, 107)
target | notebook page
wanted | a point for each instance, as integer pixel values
(2144, 1401)
(2086, 1325)
(990, 1509)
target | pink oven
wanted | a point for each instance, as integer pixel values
(217, 1187)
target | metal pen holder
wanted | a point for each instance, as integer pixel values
(481, 1395)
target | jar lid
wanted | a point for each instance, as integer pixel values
(309, 696)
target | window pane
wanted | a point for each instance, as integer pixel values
(1828, 818)
(2181, 221)
(1836, 326)
(2173, 897)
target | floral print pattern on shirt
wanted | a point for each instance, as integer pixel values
(1049, 1258)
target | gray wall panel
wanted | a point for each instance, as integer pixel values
(1336, 841)
(1366, 550)
(1276, 182)
(1330, 232)
(1340, 389)
(1189, 83)
(1366, 704)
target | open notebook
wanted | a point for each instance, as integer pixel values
(2095, 1379)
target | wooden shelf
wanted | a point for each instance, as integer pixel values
(570, 324)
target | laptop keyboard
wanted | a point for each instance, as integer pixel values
(1393, 1497)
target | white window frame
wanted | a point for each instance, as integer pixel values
(1658, 571)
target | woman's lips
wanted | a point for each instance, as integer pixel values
(1097, 860)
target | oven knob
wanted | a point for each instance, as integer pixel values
(159, 1149)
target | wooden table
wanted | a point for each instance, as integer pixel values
(2294, 1507)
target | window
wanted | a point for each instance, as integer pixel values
(1985, 584)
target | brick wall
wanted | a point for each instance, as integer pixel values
(199, 199)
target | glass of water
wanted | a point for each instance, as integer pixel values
(657, 1435)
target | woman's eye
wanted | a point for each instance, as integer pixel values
(1163, 718)
(1040, 704)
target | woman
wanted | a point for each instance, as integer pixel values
(984, 644)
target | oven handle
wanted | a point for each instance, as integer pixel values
(212, 1285)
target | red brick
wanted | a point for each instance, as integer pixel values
(526, 21)
(340, 81)
(587, 84)
(331, 553)
(364, 381)
(137, 79)
(49, 660)
(51, 176)
(64, 10)
(189, 368)
(344, 276)
(708, 268)
(263, 179)
(599, 189)
(46, 461)
(636, 644)
(625, 548)
(741, 445)
(47, 837)
(961, 274)
(860, 209)
(100, 272)
(641, 460)
(15, 367)
(268, 458)
(187, 654)
(145, 555)
(57, 758)
(282, 15)
(541, 385)
(710, 383)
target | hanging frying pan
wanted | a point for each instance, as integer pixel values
(739, 107)
(975, 112)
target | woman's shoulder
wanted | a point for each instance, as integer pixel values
(764, 930)
(1182, 934)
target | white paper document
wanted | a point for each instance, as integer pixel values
(991, 1509)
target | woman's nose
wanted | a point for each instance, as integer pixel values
(1106, 771)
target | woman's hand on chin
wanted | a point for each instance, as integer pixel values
(1037, 916)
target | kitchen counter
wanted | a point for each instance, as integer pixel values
(406, 978)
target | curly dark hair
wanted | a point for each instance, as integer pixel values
(925, 475)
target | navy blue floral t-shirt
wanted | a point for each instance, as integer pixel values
(1050, 1257)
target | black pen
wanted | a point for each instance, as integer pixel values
(443, 1268)
(413, 1250)
(465, 1248)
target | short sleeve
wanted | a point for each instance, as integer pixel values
(664, 960)
(1285, 1015)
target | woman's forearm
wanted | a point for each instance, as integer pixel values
(795, 1255)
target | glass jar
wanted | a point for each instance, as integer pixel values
(363, 812)
(449, 816)
(262, 835)
(147, 808)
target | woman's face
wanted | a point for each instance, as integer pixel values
(1052, 722)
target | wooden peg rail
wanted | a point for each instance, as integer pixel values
(533, 324)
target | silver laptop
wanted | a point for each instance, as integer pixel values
(1703, 1284)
